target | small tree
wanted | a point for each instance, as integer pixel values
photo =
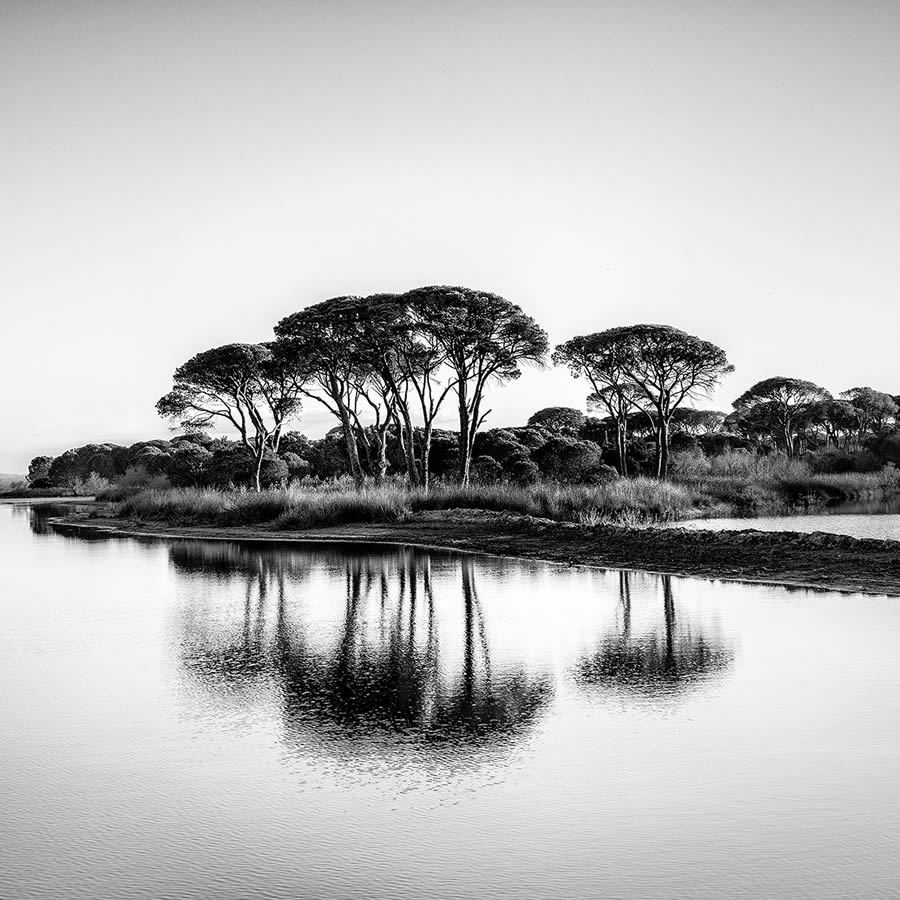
(783, 402)
(245, 385)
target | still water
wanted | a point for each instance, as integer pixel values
(206, 719)
(874, 519)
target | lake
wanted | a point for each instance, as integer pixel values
(194, 719)
(872, 519)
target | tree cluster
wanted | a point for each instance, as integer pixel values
(386, 366)
(379, 364)
(797, 416)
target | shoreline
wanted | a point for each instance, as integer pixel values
(814, 561)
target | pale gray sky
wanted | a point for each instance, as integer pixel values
(180, 175)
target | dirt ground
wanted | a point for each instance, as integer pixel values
(815, 560)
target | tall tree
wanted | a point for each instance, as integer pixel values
(244, 385)
(325, 346)
(666, 365)
(785, 402)
(872, 409)
(483, 338)
(424, 379)
(833, 419)
(597, 357)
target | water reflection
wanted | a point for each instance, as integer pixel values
(40, 516)
(655, 662)
(48, 519)
(374, 659)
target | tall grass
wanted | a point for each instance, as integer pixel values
(791, 486)
(638, 500)
(627, 501)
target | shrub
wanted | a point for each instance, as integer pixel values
(135, 480)
(91, 486)
(486, 469)
(689, 463)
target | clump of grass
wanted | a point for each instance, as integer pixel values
(319, 510)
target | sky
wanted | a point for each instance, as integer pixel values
(175, 176)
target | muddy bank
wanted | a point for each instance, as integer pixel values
(806, 560)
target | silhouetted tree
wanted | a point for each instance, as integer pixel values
(39, 470)
(558, 419)
(597, 357)
(697, 422)
(245, 385)
(484, 338)
(667, 366)
(324, 345)
(779, 405)
(872, 409)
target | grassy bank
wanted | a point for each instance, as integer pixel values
(789, 490)
(638, 500)
(26, 493)
(622, 501)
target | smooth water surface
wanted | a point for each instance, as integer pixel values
(216, 719)
(873, 519)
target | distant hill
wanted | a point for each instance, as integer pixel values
(6, 479)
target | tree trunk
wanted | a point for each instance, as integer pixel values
(662, 447)
(409, 448)
(465, 450)
(788, 441)
(381, 463)
(352, 450)
(622, 447)
(257, 477)
(426, 456)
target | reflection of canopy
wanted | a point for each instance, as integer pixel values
(378, 680)
(652, 664)
(41, 516)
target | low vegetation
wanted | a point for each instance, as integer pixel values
(640, 499)
(634, 501)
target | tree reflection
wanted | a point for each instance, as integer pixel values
(390, 671)
(385, 667)
(41, 516)
(653, 664)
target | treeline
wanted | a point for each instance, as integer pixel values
(386, 366)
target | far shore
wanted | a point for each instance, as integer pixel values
(817, 560)
(41, 501)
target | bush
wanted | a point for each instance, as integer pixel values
(834, 461)
(135, 480)
(486, 469)
(689, 463)
(91, 486)
(522, 470)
